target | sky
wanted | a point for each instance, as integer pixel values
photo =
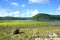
(28, 8)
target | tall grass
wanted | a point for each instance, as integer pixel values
(32, 30)
(18, 23)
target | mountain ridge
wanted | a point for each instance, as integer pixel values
(38, 17)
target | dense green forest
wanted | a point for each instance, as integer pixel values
(38, 17)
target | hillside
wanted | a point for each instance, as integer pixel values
(38, 17)
(13, 18)
(45, 17)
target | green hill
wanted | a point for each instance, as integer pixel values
(38, 17)
(45, 17)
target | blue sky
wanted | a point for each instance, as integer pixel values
(28, 8)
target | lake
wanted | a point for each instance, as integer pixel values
(37, 21)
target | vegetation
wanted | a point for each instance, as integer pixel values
(17, 23)
(7, 33)
(12, 18)
(38, 17)
(12, 29)
(46, 17)
(27, 24)
(43, 17)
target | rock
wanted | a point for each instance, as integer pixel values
(53, 35)
(16, 31)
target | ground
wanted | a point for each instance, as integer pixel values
(29, 30)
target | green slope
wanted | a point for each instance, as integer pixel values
(45, 17)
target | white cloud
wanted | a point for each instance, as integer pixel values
(15, 13)
(23, 5)
(30, 13)
(14, 4)
(39, 1)
(4, 12)
(26, 14)
(35, 12)
(57, 11)
(23, 15)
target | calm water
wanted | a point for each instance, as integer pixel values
(37, 21)
(26, 20)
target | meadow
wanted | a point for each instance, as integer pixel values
(28, 30)
(26, 24)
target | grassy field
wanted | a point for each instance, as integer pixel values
(36, 24)
(28, 30)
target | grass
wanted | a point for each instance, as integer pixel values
(31, 30)
(14, 23)
(29, 33)
(19, 23)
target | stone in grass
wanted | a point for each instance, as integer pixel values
(17, 32)
(53, 35)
